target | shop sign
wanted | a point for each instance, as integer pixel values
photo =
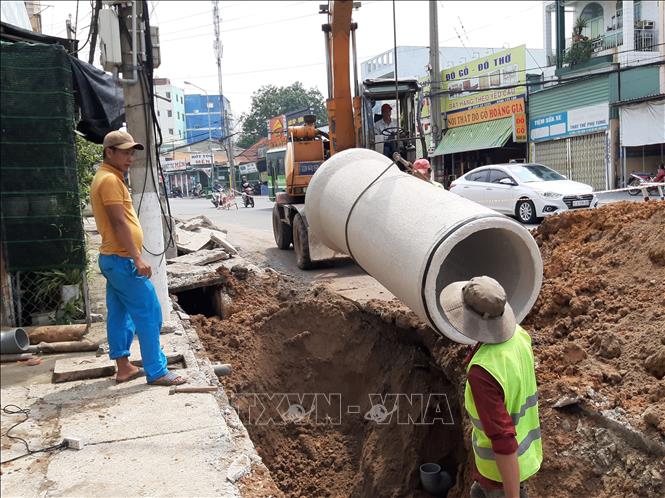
(467, 81)
(199, 159)
(426, 111)
(173, 165)
(580, 121)
(519, 128)
(486, 113)
(277, 130)
(248, 168)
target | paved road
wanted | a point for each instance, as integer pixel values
(250, 229)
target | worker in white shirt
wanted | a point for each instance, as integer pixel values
(385, 121)
(382, 124)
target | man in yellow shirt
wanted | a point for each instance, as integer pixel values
(131, 300)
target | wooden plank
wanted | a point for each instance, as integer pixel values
(70, 369)
(93, 367)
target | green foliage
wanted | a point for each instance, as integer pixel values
(271, 100)
(581, 49)
(579, 52)
(87, 155)
(72, 310)
(578, 27)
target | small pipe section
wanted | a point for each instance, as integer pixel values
(11, 358)
(14, 341)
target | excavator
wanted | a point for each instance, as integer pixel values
(351, 121)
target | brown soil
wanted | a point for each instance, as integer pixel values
(599, 340)
(281, 339)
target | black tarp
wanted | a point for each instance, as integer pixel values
(100, 99)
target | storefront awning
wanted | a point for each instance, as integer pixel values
(476, 137)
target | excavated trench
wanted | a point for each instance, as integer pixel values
(339, 400)
(597, 335)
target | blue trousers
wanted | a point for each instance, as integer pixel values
(133, 308)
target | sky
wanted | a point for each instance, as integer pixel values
(280, 42)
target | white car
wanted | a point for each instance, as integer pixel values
(526, 191)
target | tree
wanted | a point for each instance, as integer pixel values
(271, 100)
(87, 155)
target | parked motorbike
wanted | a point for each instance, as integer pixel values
(248, 197)
(637, 179)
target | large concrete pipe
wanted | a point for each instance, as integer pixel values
(416, 238)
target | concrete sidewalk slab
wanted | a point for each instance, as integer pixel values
(138, 439)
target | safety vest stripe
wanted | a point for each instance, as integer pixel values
(488, 454)
(530, 402)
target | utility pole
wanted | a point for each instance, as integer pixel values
(225, 139)
(94, 28)
(435, 82)
(144, 183)
(560, 15)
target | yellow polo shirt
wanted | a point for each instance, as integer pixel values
(108, 187)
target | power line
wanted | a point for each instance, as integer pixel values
(239, 28)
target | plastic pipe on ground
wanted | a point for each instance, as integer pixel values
(416, 238)
(14, 341)
(10, 358)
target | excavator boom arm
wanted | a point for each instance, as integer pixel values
(340, 103)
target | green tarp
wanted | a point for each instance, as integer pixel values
(476, 137)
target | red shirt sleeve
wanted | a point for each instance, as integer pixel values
(489, 399)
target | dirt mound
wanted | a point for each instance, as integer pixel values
(321, 386)
(599, 338)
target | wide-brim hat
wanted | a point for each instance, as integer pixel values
(478, 309)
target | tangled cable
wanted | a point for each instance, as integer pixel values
(16, 410)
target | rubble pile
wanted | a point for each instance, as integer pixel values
(202, 249)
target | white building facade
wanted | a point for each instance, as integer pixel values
(170, 108)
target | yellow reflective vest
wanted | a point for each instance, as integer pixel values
(511, 364)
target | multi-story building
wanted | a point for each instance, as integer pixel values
(600, 112)
(203, 117)
(170, 108)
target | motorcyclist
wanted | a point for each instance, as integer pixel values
(247, 192)
(216, 187)
(660, 176)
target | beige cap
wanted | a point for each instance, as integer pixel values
(121, 140)
(478, 309)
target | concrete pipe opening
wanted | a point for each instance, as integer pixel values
(495, 246)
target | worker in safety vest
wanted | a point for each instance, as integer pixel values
(501, 395)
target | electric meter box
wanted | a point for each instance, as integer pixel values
(109, 39)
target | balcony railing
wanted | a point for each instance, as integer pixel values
(646, 40)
